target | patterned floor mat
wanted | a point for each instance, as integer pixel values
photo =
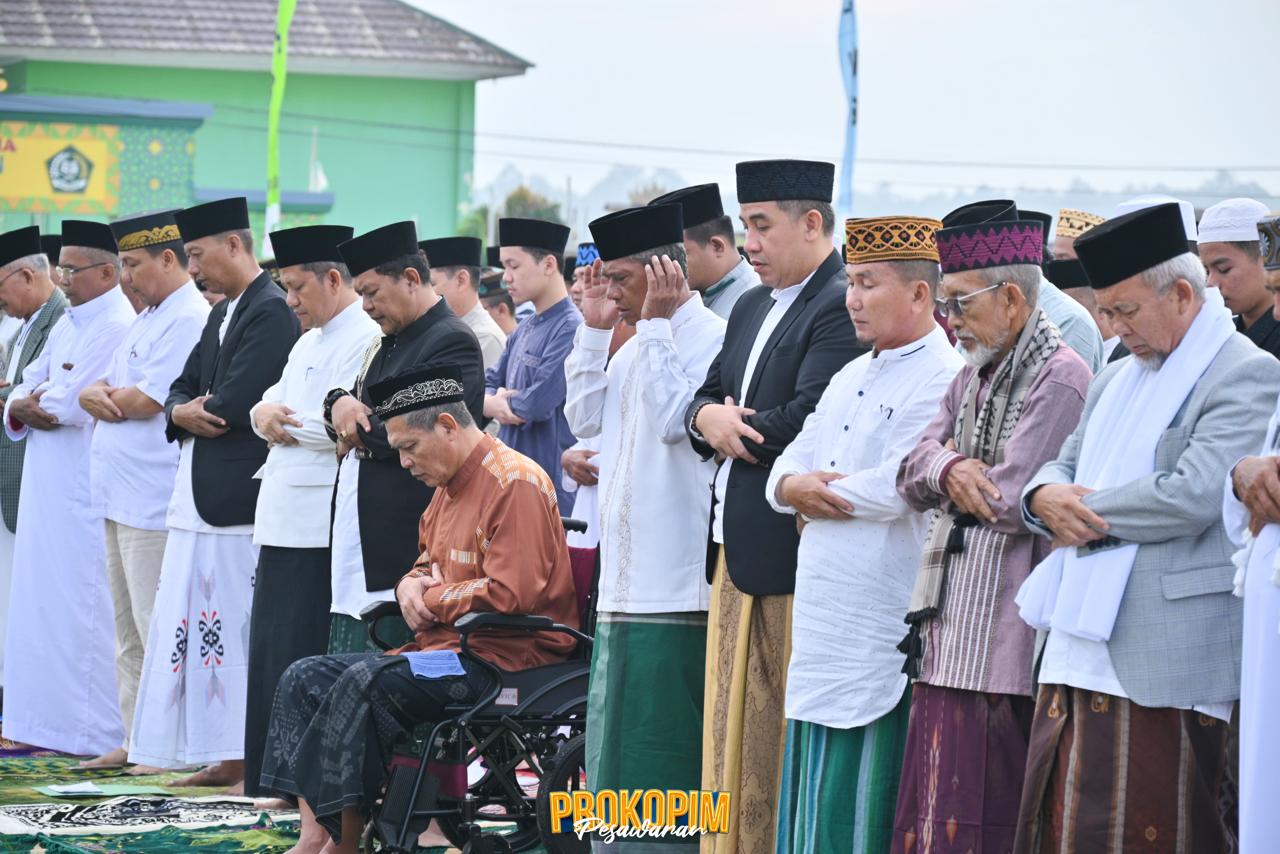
(265, 836)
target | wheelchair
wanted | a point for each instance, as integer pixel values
(523, 740)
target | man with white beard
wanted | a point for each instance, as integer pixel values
(1003, 416)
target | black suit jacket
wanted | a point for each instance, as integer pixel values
(814, 340)
(391, 501)
(234, 373)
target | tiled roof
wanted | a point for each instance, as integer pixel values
(368, 32)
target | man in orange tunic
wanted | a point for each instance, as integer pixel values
(491, 541)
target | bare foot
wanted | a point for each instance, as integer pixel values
(433, 837)
(236, 790)
(227, 773)
(273, 804)
(111, 759)
(148, 770)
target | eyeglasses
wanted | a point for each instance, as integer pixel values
(68, 272)
(954, 306)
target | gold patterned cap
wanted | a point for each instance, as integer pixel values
(890, 238)
(1269, 240)
(1073, 223)
(146, 229)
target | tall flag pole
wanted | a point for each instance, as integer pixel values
(279, 70)
(849, 67)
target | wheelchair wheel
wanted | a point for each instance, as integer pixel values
(567, 773)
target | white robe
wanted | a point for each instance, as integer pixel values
(1260, 663)
(60, 686)
(191, 698)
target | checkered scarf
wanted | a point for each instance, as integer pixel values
(981, 433)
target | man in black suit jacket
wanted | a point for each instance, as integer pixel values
(784, 342)
(378, 504)
(206, 580)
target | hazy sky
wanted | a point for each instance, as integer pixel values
(1164, 85)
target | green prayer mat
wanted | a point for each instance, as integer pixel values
(267, 837)
(20, 775)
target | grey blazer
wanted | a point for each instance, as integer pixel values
(1176, 640)
(11, 453)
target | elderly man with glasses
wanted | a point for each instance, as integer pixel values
(61, 695)
(1003, 416)
(32, 305)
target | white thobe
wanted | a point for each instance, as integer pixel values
(297, 480)
(347, 567)
(653, 486)
(854, 575)
(132, 464)
(490, 335)
(782, 300)
(1260, 662)
(586, 500)
(13, 330)
(60, 691)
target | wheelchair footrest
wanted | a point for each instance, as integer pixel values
(397, 811)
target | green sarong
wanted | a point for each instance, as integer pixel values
(840, 786)
(644, 706)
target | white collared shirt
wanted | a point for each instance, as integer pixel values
(854, 576)
(782, 300)
(132, 465)
(490, 335)
(653, 486)
(297, 480)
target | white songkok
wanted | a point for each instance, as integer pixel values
(1150, 200)
(1232, 221)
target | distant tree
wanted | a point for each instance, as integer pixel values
(524, 202)
(645, 194)
(475, 223)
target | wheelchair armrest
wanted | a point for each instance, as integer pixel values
(575, 525)
(373, 615)
(379, 610)
(489, 620)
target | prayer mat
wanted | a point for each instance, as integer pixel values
(20, 776)
(1107, 776)
(266, 837)
(644, 707)
(840, 786)
(349, 635)
(130, 814)
(962, 771)
(744, 725)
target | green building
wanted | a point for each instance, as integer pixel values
(110, 107)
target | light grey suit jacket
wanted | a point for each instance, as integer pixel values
(1176, 640)
(11, 452)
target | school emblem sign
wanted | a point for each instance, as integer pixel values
(56, 167)
(69, 171)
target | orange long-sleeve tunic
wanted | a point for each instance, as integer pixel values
(494, 531)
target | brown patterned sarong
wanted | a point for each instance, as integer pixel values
(1106, 775)
(962, 773)
(744, 720)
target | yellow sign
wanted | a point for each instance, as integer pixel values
(59, 167)
(639, 813)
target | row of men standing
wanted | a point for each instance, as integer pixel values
(743, 392)
(929, 483)
(199, 480)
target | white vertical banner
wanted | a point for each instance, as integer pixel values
(849, 69)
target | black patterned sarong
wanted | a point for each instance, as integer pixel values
(336, 719)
